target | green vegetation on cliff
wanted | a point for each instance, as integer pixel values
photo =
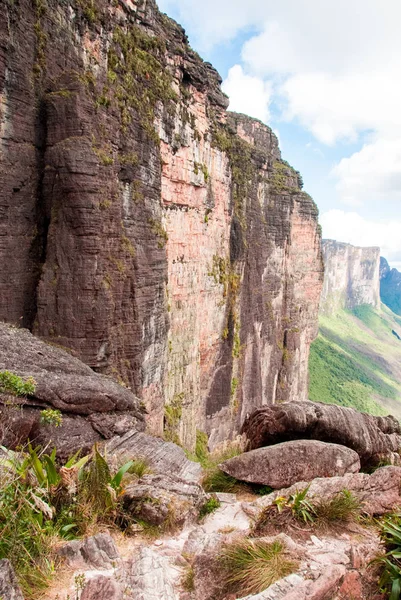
(356, 361)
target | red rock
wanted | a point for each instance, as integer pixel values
(351, 587)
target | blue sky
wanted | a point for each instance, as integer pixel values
(326, 76)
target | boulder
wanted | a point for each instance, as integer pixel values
(149, 576)
(283, 464)
(98, 551)
(163, 458)
(95, 405)
(9, 588)
(102, 588)
(379, 493)
(165, 501)
(373, 438)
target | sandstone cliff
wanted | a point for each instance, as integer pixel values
(159, 237)
(390, 286)
(351, 276)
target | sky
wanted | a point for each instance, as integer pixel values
(326, 77)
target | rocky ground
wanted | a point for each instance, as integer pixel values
(329, 561)
(332, 564)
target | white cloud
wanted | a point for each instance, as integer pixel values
(374, 171)
(214, 22)
(334, 67)
(248, 94)
(353, 229)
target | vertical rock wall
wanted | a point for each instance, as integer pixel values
(390, 286)
(352, 276)
(160, 237)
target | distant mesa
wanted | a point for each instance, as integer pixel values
(390, 286)
(352, 276)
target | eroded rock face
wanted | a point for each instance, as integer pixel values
(148, 577)
(132, 202)
(96, 552)
(163, 500)
(163, 458)
(62, 382)
(102, 588)
(9, 588)
(378, 493)
(283, 464)
(351, 276)
(373, 438)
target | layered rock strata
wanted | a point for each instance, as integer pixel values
(161, 238)
(351, 277)
(95, 407)
(373, 438)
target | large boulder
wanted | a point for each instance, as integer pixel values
(96, 406)
(102, 587)
(373, 438)
(283, 464)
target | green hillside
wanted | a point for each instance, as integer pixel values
(356, 360)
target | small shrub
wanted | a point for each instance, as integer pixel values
(209, 507)
(10, 383)
(249, 567)
(51, 417)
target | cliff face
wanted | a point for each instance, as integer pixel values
(351, 276)
(161, 238)
(390, 286)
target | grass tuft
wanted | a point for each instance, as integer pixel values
(140, 467)
(343, 507)
(250, 566)
(209, 507)
(188, 579)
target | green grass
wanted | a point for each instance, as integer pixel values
(209, 507)
(250, 566)
(342, 507)
(355, 360)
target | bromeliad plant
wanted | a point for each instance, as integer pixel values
(301, 508)
(390, 563)
(41, 501)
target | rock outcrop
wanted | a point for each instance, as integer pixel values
(390, 286)
(163, 500)
(283, 464)
(351, 276)
(131, 203)
(378, 493)
(61, 382)
(373, 438)
(164, 458)
(327, 565)
(9, 588)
